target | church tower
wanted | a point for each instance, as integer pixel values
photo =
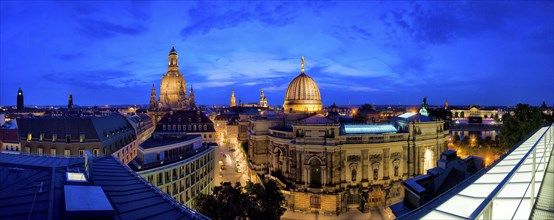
(446, 105)
(19, 99)
(233, 99)
(173, 87)
(263, 99)
(192, 103)
(70, 102)
(182, 97)
(153, 105)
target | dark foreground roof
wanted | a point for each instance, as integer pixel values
(34, 189)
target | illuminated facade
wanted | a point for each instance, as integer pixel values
(263, 99)
(330, 166)
(233, 102)
(173, 93)
(302, 95)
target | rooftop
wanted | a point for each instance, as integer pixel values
(368, 129)
(32, 187)
(151, 143)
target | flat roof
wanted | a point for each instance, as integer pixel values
(152, 143)
(506, 183)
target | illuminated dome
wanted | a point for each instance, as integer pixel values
(302, 95)
(173, 86)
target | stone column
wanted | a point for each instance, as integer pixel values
(365, 161)
(343, 165)
(404, 160)
(386, 163)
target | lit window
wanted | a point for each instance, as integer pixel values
(67, 152)
(82, 138)
(52, 151)
(41, 137)
(194, 127)
(54, 137)
(40, 151)
(95, 151)
(29, 137)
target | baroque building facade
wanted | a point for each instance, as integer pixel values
(173, 89)
(327, 165)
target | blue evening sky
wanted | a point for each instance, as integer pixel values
(380, 52)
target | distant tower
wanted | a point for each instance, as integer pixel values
(233, 99)
(20, 99)
(446, 104)
(263, 99)
(182, 99)
(192, 103)
(153, 104)
(70, 102)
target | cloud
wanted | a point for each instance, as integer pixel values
(209, 16)
(104, 29)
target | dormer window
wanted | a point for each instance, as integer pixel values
(29, 137)
(54, 137)
(179, 119)
(82, 138)
(67, 138)
(41, 137)
(169, 119)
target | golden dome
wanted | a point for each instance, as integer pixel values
(302, 95)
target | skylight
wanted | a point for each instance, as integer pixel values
(369, 129)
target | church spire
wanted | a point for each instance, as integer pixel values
(192, 102)
(302, 66)
(233, 99)
(153, 104)
(70, 101)
(20, 99)
(173, 59)
(263, 99)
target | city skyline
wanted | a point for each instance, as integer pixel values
(370, 52)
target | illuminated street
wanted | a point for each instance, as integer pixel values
(229, 171)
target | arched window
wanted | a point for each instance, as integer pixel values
(429, 160)
(315, 173)
(353, 175)
(194, 127)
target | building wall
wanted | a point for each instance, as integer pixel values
(355, 171)
(185, 179)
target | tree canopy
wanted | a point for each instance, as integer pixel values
(521, 123)
(255, 201)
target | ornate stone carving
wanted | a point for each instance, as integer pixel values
(396, 156)
(375, 158)
(353, 158)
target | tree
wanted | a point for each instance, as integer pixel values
(255, 201)
(226, 202)
(522, 123)
(266, 202)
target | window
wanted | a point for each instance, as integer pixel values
(41, 137)
(179, 126)
(315, 202)
(40, 151)
(67, 152)
(353, 175)
(54, 137)
(174, 128)
(163, 127)
(194, 127)
(81, 153)
(210, 136)
(189, 128)
(205, 127)
(52, 151)
(95, 151)
(29, 137)
(82, 138)
(27, 149)
(67, 138)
